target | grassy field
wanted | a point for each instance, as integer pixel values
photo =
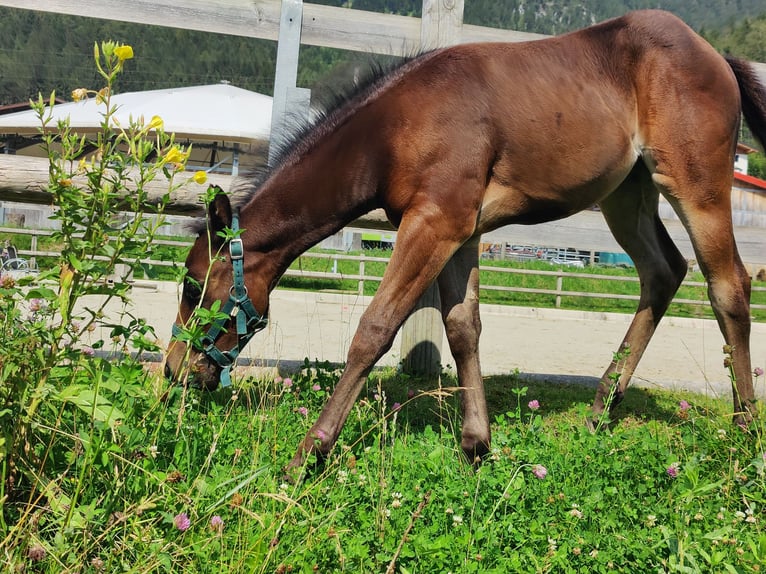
(192, 482)
(114, 471)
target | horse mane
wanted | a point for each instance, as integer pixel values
(333, 103)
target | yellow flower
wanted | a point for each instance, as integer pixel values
(123, 52)
(200, 177)
(65, 182)
(102, 95)
(79, 94)
(156, 123)
(174, 155)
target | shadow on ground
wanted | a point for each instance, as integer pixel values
(556, 394)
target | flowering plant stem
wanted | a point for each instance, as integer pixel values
(106, 226)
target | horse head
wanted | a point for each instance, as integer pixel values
(217, 315)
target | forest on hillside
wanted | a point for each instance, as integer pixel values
(557, 16)
(41, 51)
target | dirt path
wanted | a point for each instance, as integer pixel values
(684, 354)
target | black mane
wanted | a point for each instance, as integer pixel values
(331, 103)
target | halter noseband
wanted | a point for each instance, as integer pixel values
(238, 307)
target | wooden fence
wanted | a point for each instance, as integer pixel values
(363, 273)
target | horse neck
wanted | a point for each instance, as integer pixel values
(307, 199)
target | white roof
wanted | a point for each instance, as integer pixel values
(214, 112)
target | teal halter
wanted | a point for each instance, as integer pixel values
(238, 307)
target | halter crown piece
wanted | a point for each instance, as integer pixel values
(239, 307)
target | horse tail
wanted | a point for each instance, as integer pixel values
(753, 95)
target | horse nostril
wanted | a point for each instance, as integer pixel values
(168, 372)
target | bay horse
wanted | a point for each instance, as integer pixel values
(462, 140)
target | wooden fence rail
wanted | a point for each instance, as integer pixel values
(362, 275)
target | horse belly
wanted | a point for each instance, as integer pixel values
(549, 194)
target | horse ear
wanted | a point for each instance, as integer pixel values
(219, 212)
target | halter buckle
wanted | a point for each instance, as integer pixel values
(236, 249)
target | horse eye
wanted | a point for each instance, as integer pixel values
(192, 290)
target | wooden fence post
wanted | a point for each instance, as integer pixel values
(33, 247)
(289, 100)
(423, 333)
(361, 276)
(422, 336)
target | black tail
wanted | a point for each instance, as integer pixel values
(753, 95)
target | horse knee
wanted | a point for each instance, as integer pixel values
(371, 341)
(731, 298)
(463, 328)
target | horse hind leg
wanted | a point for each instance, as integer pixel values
(707, 218)
(459, 291)
(631, 213)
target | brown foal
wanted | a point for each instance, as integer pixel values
(462, 140)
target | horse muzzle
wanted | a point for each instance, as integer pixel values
(195, 370)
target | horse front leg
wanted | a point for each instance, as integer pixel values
(459, 291)
(420, 254)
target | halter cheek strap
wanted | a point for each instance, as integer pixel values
(238, 308)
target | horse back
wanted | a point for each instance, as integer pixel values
(583, 107)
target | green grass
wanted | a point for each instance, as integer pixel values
(395, 490)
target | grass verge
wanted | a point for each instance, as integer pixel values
(192, 482)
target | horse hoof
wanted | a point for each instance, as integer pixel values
(292, 474)
(475, 453)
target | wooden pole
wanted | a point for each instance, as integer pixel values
(290, 103)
